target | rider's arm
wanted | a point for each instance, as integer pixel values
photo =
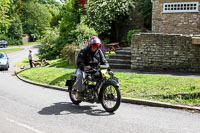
(81, 59)
(103, 59)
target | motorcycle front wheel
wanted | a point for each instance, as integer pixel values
(110, 97)
(72, 96)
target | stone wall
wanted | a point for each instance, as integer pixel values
(163, 52)
(174, 23)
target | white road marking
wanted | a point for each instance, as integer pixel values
(24, 125)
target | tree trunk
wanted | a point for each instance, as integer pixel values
(115, 32)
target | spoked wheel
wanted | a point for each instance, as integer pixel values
(72, 97)
(111, 97)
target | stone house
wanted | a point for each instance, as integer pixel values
(174, 44)
(176, 17)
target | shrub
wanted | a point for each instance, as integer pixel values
(3, 37)
(68, 51)
(129, 35)
(13, 41)
(50, 36)
(15, 30)
(82, 34)
(49, 49)
(101, 14)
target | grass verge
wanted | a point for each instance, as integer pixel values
(31, 43)
(47, 75)
(10, 50)
(132, 85)
(60, 63)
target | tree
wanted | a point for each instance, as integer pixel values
(54, 9)
(15, 30)
(5, 6)
(70, 18)
(146, 10)
(105, 16)
(35, 18)
(4, 18)
(18, 5)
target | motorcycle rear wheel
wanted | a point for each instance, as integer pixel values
(72, 96)
(111, 95)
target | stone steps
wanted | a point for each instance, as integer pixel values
(126, 52)
(120, 60)
(120, 56)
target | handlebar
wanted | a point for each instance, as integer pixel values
(98, 68)
(91, 70)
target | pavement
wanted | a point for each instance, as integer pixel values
(134, 100)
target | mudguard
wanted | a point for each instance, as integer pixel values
(71, 81)
(68, 83)
(113, 82)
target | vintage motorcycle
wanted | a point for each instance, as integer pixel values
(100, 86)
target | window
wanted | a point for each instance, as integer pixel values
(181, 7)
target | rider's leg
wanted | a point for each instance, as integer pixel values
(78, 85)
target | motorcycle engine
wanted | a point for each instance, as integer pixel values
(90, 94)
(97, 75)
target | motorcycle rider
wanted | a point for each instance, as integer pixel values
(88, 58)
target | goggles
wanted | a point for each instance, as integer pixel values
(96, 45)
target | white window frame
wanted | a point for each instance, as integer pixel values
(181, 7)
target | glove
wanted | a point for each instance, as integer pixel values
(86, 68)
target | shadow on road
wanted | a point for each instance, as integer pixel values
(64, 108)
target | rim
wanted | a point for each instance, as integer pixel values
(110, 97)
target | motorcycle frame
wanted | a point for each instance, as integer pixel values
(105, 76)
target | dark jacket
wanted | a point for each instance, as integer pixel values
(87, 57)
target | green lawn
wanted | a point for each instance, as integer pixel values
(60, 63)
(23, 62)
(47, 75)
(132, 85)
(10, 50)
(31, 43)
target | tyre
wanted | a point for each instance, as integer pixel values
(7, 68)
(110, 97)
(72, 96)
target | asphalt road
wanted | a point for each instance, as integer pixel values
(26, 108)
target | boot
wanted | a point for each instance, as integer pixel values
(78, 95)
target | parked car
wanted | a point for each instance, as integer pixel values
(4, 64)
(3, 43)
